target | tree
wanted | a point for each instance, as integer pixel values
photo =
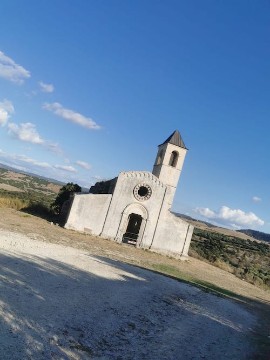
(64, 194)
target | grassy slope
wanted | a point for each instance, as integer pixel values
(236, 252)
(247, 259)
(26, 192)
(20, 190)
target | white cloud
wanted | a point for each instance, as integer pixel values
(65, 168)
(239, 216)
(6, 108)
(11, 71)
(7, 105)
(256, 199)
(71, 115)
(206, 213)
(25, 163)
(25, 132)
(28, 160)
(83, 164)
(3, 117)
(54, 147)
(14, 159)
(232, 217)
(47, 88)
(236, 227)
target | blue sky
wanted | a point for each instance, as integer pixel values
(90, 88)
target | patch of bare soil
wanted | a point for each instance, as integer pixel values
(115, 329)
(52, 187)
(14, 176)
(10, 188)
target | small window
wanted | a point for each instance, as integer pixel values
(160, 156)
(174, 159)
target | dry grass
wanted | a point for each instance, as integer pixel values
(223, 265)
(14, 203)
(8, 187)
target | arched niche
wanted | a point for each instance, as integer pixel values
(133, 212)
(174, 159)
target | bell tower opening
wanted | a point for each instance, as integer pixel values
(133, 229)
(174, 158)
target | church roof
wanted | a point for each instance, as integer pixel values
(175, 139)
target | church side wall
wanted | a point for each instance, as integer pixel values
(173, 236)
(88, 213)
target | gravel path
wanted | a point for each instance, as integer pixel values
(57, 302)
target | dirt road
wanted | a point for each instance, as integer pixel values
(61, 302)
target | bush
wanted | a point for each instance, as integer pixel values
(64, 194)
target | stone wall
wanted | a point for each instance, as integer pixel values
(88, 213)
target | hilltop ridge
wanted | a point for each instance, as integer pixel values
(242, 233)
(259, 235)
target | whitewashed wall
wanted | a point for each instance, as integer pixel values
(88, 212)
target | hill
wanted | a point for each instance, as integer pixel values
(10, 168)
(26, 187)
(194, 221)
(247, 234)
(256, 234)
(242, 253)
(204, 225)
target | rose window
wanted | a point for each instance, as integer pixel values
(142, 192)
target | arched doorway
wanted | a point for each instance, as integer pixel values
(133, 229)
(132, 225)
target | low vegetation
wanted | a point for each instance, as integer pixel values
(13, 202)
(28, 202)
(27, 183)
(27, 193)
(246, 259)
(34, 195)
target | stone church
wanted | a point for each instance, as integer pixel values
(134, 207)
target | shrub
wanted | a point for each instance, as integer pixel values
(64, 194)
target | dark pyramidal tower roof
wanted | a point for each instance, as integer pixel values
(175, 139)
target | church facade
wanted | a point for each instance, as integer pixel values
(134, 208)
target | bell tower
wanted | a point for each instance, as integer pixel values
(169, 163)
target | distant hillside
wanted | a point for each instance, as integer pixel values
(189, 218)
(204, 225)
(256, 234)
(245, 258)
(26, 186)
(6, 167)
(247, 234)
(243, 253)
(3, 166)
